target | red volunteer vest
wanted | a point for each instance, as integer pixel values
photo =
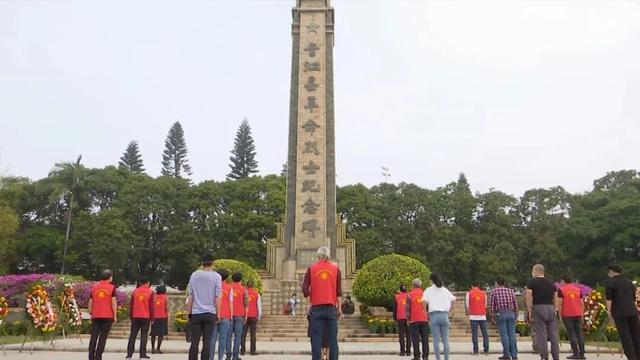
(238, 299)
(324, 276)
(101, 305)
(253, 302)
(477, 302)
(571, 301)
(160, 306)
(401, 305)
(225, 304)
(141, 301)
(418, 312)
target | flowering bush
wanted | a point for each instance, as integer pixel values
(381, 325)
(39, 309)
(4, 307)
(180, 320)
(595, 312)
(13, 287)
(522, 328)
(83, 293)
(69, 310)
(611, 332)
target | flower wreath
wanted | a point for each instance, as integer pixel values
(4, 307)
(595, 312)
(39, 309)
(69, 307)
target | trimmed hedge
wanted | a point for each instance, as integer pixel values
(378, 280)
(233, 266)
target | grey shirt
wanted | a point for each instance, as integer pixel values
(204, 288)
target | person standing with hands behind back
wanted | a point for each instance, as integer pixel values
(141, 309)
(104, 312)
(440, 301)
(323, 284)
(542, 304)
(203, 305)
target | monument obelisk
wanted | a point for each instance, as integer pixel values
(310, 219)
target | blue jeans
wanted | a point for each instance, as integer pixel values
(223, 331)
(439, 323)
(506, 321)
(474, 335)
(236, 330)
(324, 318)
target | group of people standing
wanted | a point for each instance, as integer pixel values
(416, 311)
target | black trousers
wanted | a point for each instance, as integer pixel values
(202, 325)
(99, 332)
(573, 324)
(141, 325)
(420, 333)
(404, 334)
(251, 326)
(629, 330)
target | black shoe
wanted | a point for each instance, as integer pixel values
(241, 352)
(402, 353)
(504, 358)
(153, 351)
(158, 351)
(573, 357)
(253, 353)
(145, 357)
(582, 357)
(408, 353)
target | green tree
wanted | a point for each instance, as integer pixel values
(66, 183)
(131, 159)
(8, 227)
(243, 162)
(174, 157)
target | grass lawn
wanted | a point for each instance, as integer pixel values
(603, 345)
(12, 339)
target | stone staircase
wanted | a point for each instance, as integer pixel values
(281, 328)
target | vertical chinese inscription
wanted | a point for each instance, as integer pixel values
(311, 194)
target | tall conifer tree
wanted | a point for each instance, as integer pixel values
(243, 162)
(174, 157)
(131, 159)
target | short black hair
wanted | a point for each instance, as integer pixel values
(403, 288)
(224, 274)
(161, 289)
(207, 260)
(250, 283)
(106, 274)
(236, 277)
(500, 280)
(566, 278)
(615, 268)
(436, 279)
(143, 280)
(475, 283)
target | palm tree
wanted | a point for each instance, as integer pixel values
(66, 180)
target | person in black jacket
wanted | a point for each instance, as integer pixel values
(621, 305)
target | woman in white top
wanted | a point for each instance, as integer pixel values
(440, 303)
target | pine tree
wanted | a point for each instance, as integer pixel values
(285, 170)
(174, 157)
(243, 162)
(131, 159)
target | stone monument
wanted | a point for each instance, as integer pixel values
(310, 220)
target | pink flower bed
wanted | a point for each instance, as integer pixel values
(13, 287)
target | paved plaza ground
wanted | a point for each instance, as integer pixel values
(72, 349)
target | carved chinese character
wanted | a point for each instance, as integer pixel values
(311, 103)
(311, 66)
(312, 48)
(311, 147)
(311, 84)
(311, 168)
(310, 226)
(310, 206)
(310, 126)
(310, 186)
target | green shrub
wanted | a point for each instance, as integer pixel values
(248, 273)
(379, 279)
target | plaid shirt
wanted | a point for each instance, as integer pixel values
(502, 298)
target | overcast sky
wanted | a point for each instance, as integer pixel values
(516, 94)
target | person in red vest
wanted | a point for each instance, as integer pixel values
(103, 309)
(240, 309)
(225, 316)
(399, 309)
(418, 320)
(323, 286)
(254, 313)
(141, 308)
(476, 309)
(571, 305)
(160, 327)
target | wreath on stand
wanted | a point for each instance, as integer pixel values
(4, 310)
(41, 315)
(70, 316)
